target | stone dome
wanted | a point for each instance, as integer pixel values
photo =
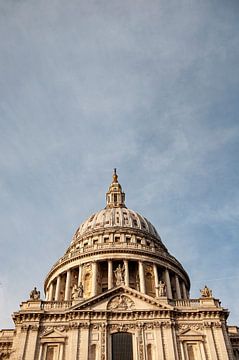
(113, 218)
(116, 216)
(116, 239)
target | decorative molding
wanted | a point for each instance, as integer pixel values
(103, 341)
(185, 327)
(121, 302)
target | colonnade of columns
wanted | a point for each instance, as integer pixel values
(175, 287)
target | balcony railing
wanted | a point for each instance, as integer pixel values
(120, 245)
(51, 305)
(186, 302)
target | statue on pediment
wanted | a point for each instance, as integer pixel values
(35, 294)
(206, 292)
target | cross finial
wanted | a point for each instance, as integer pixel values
(115, 176)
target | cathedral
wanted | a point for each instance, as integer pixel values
(118, 294)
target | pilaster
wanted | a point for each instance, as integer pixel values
(31, 342)
(159, 343)
(169, 348)
(73, 342)
(210, 342)
(84, 342)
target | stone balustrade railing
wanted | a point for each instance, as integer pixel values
(51, 305)
(95, 247)
(56, 305)
(201, 302)
(186, 302)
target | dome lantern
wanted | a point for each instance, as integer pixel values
(115, 197)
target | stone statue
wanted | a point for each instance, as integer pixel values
(206, 292)
(77, 292)
(35, 294)
(119, 275)
(162, 288)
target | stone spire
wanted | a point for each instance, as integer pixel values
(115, 197)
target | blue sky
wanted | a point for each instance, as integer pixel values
(149, 87)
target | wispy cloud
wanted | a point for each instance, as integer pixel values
(150, 88)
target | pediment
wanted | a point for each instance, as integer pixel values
(122, 299)
(53, 333)
(190, 332)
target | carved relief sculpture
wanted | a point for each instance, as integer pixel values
(121, 302)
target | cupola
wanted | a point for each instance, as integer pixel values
(115, 197)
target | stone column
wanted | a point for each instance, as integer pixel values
(178, 290)
(68, 284)
(156, 280)
(184, 291)
(58, 285)
(168, 284)
(110, 274)
(141, 277)
(126, 273)
(21, 341)
(50, 295)
(94, 279)
(80, 275)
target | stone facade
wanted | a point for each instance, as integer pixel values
(117, 294)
